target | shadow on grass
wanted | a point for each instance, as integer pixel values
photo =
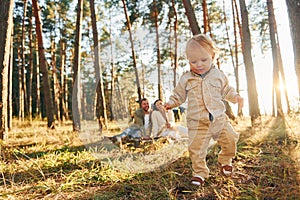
(17, 152)
(267, 160)
(264, 169)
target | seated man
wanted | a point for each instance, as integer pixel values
(140, 127)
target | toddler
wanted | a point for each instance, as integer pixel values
(206, 87)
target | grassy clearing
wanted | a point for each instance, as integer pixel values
(59, 164)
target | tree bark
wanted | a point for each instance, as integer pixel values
(10, 88)
(76, 76)
(254, 111)
(30, 69)
(112, 82)
(101, 103)
(6, 27)
(62, 55)
(205, 17)
(229, 111)
(43, 67)
(132, 50)
(236, 23)
(175, 45)
(189, 11)
(23, 67)
(38, 83)
(293, 7)
(56, 86)
(155, 15)
(276, 85)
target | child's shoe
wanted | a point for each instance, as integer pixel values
(226, 169)
(197, 180)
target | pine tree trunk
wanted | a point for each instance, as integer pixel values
(38, 83)
(254, 111)
(236, 23)
(62, 79)
(6, 27)
(175, 44)
(23, 67)
(229, 111)
(66, 98)
(43, 65)
(101, 114)
(293, 7)
(10, 83)
(76, 76)
(128, 23)
(276, 85)
(56, 87)
(30, 70)
(281, 70)
(205, 16)
(21, 91)
(112, 82)
(160, 91)
(189, 12)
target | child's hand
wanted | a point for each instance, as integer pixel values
(167, 106)
(239, 100)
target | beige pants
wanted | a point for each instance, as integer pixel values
(199, 139)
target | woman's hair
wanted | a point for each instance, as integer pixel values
(154, 106)
(205, 42)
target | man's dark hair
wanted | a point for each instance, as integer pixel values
(143, 99)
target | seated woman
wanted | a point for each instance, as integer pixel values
(163, 123)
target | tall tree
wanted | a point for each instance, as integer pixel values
(30, 69)
(280, 65)
(38, 83)
(63, 82)
(175, 27)
(101, 104)
(128, 23)
(23, 65)
(189, 11)
(275, 53)
(6, 27)
(76, 74)
(43, 66)
(254, 111)
(112, 71)
(56, 86)
(65, 25)
(229, 111)
(205, 16)
(293, 7)
(10, 87)
(236, 24)
(155, 19)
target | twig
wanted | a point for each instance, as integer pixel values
(4, 182)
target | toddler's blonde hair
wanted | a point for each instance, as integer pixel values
(205, 42)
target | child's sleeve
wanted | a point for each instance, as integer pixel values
(179, 93)
(229, 93)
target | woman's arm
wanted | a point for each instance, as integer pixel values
(158, 123)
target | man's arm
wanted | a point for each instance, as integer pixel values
(138, 117)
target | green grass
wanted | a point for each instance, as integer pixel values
(37, 163)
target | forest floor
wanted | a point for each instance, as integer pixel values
(37, 163)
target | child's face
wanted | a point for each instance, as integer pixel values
(200, 60)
